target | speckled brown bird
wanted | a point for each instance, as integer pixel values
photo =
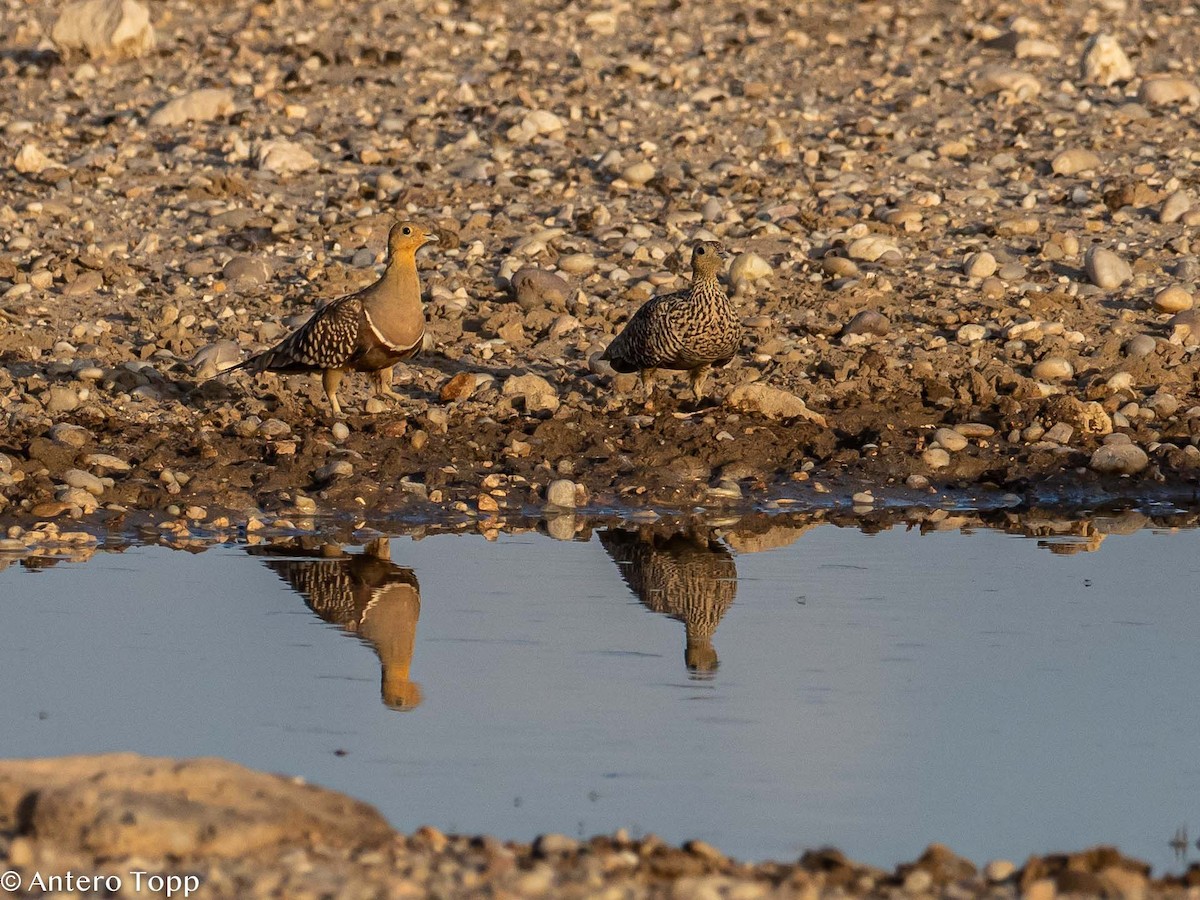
(686, 575)
(367, 331)
(367, 595)
(690, 331)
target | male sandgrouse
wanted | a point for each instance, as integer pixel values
(367, 595)
(691, 330)
(367, 331)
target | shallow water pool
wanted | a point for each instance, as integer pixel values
(871, 691)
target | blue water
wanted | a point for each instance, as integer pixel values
(873, 692)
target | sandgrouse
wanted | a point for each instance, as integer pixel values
(367, 331)
(691, 330)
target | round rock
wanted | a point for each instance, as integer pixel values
(1172, 299)
(561, 493)
(1119, 459)
(1053, 368)
(1105, 269)
(535, 288)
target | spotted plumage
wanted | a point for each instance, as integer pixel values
(368, 331)
(690, 331)
(685, 575)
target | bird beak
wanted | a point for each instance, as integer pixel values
(431, 239)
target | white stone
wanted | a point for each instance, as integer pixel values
(1119, 459)
(30, 160)
(1053, 368)
(748, 268)
(979, 265)
(1104, 62)
(284, 158)
(871, 247)
(638, 173)
(1105, 269)
(1169, 91)
(105, 28)
(1074, 161)
(561, 493)
(196, 106)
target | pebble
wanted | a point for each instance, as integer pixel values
(1074, 161)
(949, 439)
(936, 458)
(117, 28)
(337, 469)
(553, 844)
(538, 394)
(203, 105)
(458, 388)
(284, 158)
(980, 265)
(67, 435)
(1053, 368)
(968, 334)
(535, 288)
(748, 268)
(918, 482)
(999, 870)
(871, 247)
(1172, 299)
(1139, 346)
(1119, 459)
(61, 399)
(77, 478)
(975, 430)
(1059, 433)
(577, 263)
(1169, 90)
(1174, 207)
(1104, 62)
(638, 174)
(340, 432)
(839, 267)
(1106, 269)
(867, 322)
(561, 493)
(863, 498)
(29, 160)
(246, 271)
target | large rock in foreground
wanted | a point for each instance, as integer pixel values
(123, 804)
(105, 28)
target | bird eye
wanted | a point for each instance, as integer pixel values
(407, 230)
(699, 251)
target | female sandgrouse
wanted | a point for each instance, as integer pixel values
(367, 331)
(687, 331)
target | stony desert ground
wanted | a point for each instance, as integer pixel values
(961, 238)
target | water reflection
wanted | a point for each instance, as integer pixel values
(687, 575)
(364, 593)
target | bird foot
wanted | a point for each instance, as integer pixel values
(389, 394)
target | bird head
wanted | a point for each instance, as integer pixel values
(407, 236)
(708, 258)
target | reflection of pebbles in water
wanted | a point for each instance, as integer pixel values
(367, 595)
(685, 575)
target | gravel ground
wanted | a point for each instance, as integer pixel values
(962, 236)
(238, 833)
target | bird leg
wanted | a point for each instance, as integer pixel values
(698, 378)
(648, 387)
(383, 384)
(330, 379)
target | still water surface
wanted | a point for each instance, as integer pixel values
(873, 692)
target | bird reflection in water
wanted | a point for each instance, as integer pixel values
(687, 575)
(367, 595)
